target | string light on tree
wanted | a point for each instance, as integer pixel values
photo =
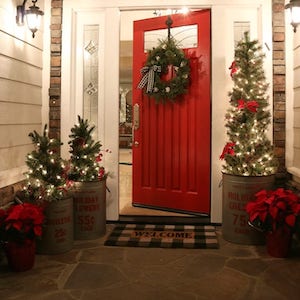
(86, 154)
(45, 177)
(247, 118)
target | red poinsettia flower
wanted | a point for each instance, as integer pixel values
(274, 208)
(233, 69)
(21, 221)
(257, 209)
(228, 149)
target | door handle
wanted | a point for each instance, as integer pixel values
(136, 116)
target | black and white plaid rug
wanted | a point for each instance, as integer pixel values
(163, 236)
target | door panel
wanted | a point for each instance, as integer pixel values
(171, 151)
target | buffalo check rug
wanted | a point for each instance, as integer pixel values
(163, 236)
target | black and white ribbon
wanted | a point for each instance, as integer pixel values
(148, 77)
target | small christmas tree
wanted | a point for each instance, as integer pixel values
(46, 178)
(248, 152)
(85, 154)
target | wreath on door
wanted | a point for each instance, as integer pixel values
(166, 56)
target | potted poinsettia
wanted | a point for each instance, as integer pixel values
(20, 225)
(248, 154)
(275, 212)
(47, 185)
(88, 177)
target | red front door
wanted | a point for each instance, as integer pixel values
(172, 145)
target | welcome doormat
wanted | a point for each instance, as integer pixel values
(163, 236)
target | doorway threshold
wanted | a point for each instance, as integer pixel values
(186, 220)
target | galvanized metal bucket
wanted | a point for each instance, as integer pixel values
(58, 232)
(237, 192)
(89, 209)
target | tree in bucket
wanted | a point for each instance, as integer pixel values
(89, 182)
(47, 185)
(250, 163)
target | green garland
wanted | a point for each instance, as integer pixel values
(158, 61)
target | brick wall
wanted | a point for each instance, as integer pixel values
(7, 193)
(55, 69)
(279, 84)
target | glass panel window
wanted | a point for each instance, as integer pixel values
(239, 29)
(186, 36)
(90, 74)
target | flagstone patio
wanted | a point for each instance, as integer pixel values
(94, 271)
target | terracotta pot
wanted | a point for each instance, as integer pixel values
(278, 242)
(20, 256)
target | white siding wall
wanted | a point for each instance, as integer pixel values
(21, 63)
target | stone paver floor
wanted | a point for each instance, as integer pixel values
(93, 271)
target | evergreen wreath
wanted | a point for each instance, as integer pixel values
(159, 60)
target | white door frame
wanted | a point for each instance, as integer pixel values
(224, 13)
(108, 89)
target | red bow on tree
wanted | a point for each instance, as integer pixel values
(250, 105)
(228, 149)
(233, 68)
